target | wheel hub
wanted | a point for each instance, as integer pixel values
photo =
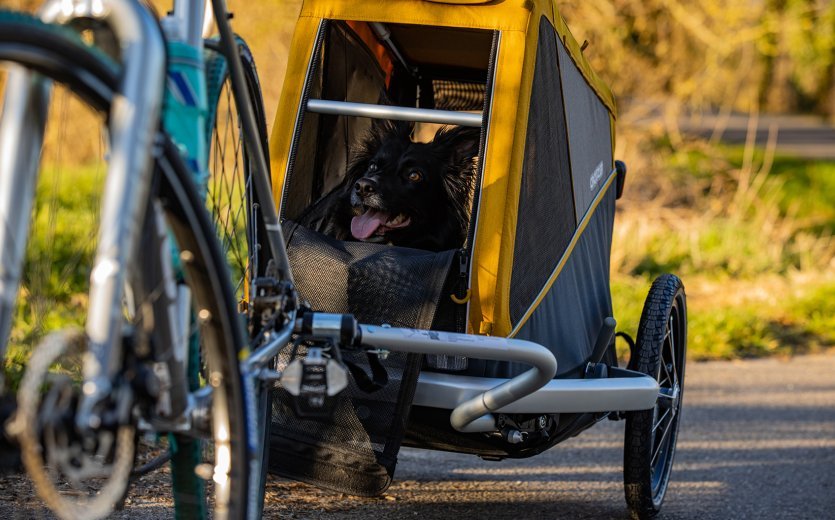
(668, 398)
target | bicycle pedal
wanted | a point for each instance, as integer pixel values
(314, 381)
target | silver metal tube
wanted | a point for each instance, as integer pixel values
(133, 122)
(22, 126)
(446, 391)
(263, 355)
(208, 19)
(474, 414)
(383, 33)
(191, 17)
(422, 115)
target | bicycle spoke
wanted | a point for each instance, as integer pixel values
(661, 443)
(661, 419)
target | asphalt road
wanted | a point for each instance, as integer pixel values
(757, 440)
(804, 136)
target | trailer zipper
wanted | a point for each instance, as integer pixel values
(467, 250)
(311, 70)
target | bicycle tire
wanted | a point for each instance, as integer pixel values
(63, 57)
(220, 96)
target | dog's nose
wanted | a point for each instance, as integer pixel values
(365, 186)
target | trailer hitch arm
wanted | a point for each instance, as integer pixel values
(474, 414)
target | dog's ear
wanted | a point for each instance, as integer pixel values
(461, 143)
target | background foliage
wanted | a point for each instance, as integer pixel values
(749, 231)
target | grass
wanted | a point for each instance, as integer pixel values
(59, 256)
(756, 321)
(751, 235)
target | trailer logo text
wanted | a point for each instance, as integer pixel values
(596, 177)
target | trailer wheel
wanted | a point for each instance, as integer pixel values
(651, 434)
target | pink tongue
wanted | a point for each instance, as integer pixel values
(366, 224)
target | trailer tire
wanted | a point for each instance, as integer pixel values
(651, 435)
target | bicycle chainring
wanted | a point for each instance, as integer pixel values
(77, 474)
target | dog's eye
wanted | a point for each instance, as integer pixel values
(372, 167)
(415, 176)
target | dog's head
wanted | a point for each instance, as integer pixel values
(413, 194)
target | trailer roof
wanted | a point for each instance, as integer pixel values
(502, 15)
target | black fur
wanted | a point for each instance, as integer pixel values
(378, 178)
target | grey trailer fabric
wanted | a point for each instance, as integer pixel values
(546, 220)
(589, 134)
(355, 450)
(570, 316)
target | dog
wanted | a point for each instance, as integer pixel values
(403, 193)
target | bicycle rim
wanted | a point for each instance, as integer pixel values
(88, 81)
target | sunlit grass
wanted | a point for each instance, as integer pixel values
(59, 257)
(753, 243)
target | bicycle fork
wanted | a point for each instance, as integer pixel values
(22, 125)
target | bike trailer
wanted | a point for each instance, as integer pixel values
(534, 266)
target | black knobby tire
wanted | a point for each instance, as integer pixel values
(60, 55)
(660, 351)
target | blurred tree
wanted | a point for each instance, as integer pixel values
(778, 55)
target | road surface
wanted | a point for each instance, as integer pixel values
(802, 136)
(757, 441)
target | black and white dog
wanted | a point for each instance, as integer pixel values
(401, 192)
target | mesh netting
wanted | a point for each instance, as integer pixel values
(355, 450)
(458, 95)
(546, 208)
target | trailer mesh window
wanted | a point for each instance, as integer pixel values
(590, 139)
(546, 219)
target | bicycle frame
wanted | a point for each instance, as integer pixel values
(134, 114)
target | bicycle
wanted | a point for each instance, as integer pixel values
(163, 337)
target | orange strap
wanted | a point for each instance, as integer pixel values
(380, 52)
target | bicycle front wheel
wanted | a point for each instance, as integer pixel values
(52, 294)
(234, 205)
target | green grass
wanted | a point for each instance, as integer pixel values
(59, 257)
(754, 245)
(744, 326)
(807, 187)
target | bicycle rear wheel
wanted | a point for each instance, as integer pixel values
(89, 79)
